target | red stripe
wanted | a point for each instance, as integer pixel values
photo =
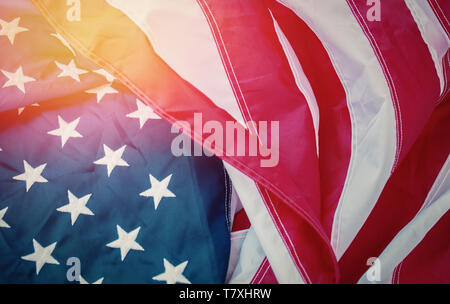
(402, 196)
(269, 90)
(264, 274)
(408, 67)
(268, 277)
(429, 262)
(240, 221)
(335, 134)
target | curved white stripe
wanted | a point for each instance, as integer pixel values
(432, 33)
(371, 110)
(250, 258)
(180, 35)
(277, 254)
(300, 79)
(435, 206)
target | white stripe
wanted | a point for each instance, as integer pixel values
(435, 206)
(371, 111)
(249, 258)
(243, 259)
(300, 78)
(181, 36)
(432, 33)
(277, 254)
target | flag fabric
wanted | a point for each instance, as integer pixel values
(89, 189)
(358, 189)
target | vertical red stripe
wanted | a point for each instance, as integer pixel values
(407, 64)
(335, 133)
(269, 92)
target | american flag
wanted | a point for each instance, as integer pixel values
(359, 89)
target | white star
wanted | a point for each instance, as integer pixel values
(31, 175)
(3, 224)
(158, 189)
(84, 282)
(144, 113)
(112, 159)
(17, 79)
(20, 110)
(172, 274)
(10, 29)
(66, 130)
(76, 206)
(41, 255)
(70, 70)
(126, 241)
(64, 42)
(104, 73)
(102, 91)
